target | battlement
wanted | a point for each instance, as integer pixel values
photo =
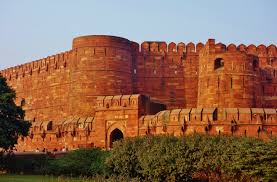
(238, 115)
(171, 48)
(182, 48)
(260, 50)
(118, 101)
(47, 64)
(148, 47)
(255, 122)
(176, 74)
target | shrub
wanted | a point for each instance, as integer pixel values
(84, 162)
(151, 158)
(167, 158)
(123, 159)
(162, 158)
(24, 163)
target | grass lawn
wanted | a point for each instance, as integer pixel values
(38, 178)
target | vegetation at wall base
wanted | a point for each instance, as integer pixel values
(221, 158)
(169, 158)
(82, 162)
(47, 178)
(12, 123)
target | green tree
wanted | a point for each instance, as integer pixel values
(12, 123)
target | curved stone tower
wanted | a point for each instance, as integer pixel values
(228, 77)
(102, 66)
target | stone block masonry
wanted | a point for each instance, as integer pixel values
(108, 87)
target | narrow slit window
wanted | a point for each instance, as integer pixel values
(255, 65)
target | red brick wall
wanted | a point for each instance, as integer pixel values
(112, 112)
(243, 122)
(102, 66)
(44, 84)
(234, 84)
(64, 88)
(168, 73)
(107, 65)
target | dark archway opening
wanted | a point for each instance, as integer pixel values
(218, 63)
(116, 134)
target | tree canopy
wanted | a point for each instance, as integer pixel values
(12, 123)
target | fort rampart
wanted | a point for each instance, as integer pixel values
(176, 77)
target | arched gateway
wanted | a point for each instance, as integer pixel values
(115, 135)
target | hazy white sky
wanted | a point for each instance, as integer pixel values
(33, 29)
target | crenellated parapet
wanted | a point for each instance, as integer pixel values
(44, 65)
(255, 122)
(180, 48)
(260, 50)
(117, 101)
(70, 133)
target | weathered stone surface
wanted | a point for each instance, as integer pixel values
(101, 88)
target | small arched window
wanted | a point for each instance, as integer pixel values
(218, 63)
(49, 126)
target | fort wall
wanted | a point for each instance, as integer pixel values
(228, 78)
(107, 65)
(131, 115)
(111, 112)
(42, 86)
(102, 66)
(80, 97)
(254, 122)
(170, 74)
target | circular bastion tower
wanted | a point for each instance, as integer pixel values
(228, 77)
(101, 66)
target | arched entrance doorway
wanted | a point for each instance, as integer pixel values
(115, 135)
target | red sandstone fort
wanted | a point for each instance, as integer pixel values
(106, 88)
